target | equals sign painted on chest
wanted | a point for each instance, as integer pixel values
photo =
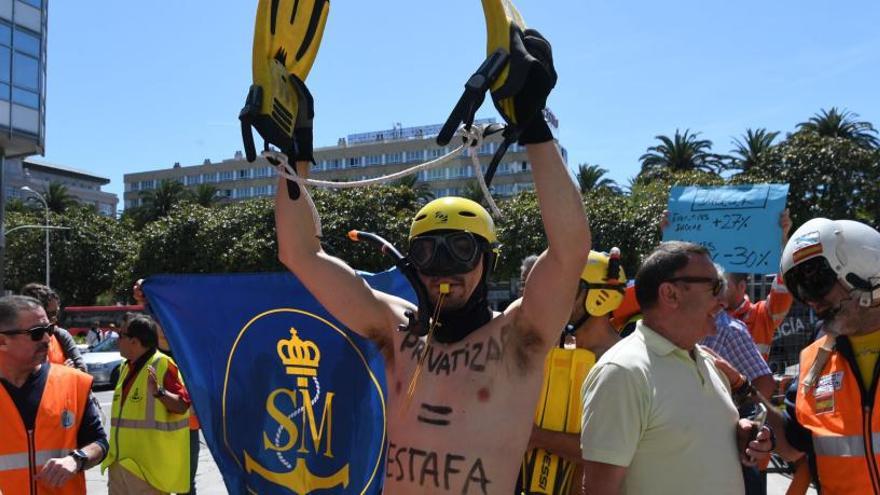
(435, 415)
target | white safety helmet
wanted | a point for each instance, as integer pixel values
(822, 252)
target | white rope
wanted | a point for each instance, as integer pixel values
(478, 172)
(473, 139)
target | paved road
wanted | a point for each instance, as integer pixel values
(210, 482)
(208, 478)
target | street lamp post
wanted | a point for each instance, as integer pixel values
(46, 204)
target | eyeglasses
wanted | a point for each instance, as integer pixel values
(717, 283)
(445, 254)
(36, 333)
(812, 280)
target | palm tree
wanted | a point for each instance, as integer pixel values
(751, 148)
(205, 195)
(159, 201)
(592, 177)
(422, 191)
(58, 198)
(842, 124)
(681, 153)
(473, 192)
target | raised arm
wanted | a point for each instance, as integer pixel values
(333, 283)
(553, 282)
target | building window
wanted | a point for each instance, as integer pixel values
(36, 3)
(503, 189)
(244, 173)
(262, 172)
(394, 157)
(373, 160)
(5, 34)
(524, 166)
(487, 149)
(26, 43)
(354, 161)
(415, 156)
(243, 192)
(436, 173)
(226, 175)
(261, 191)
(436, 153)
(25, 71)
(209, 178)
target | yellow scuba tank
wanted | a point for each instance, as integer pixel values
(559, 409)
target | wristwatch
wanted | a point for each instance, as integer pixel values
(80, 457)
(160, 393)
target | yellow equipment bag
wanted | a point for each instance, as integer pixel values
(559, 409)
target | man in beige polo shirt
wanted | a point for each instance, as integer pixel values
(658, 416)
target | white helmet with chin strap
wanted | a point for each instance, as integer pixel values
(822, 252)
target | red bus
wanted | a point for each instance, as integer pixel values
(79, 319)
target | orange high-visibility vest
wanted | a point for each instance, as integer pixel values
(764, 317)
(24, 452)
(845, 426)
(56, 353)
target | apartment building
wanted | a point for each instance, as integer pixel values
(355, 157)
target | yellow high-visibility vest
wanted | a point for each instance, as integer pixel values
(145, 438)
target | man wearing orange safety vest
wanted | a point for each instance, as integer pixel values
(62, 347)
(834, 267)
(763, 317)
(50, 428)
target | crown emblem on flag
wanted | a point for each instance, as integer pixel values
(300, 357)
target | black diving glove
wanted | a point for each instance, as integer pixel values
(523, 96)
(302, 128)
(530, 101)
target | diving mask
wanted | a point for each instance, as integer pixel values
(446, 253)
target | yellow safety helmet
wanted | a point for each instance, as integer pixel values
(454, 213)
(605, 288)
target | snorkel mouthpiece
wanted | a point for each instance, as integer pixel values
(444, 288)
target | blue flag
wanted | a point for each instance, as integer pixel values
(289, 400)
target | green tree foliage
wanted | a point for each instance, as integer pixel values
(751, 149)
(828, 177)
(83, 258)
(58, 197)
(841, 124)
(383, 210)
(158, 202)
(205, 195)
(681, 153)
(421, 189)
(592, 177)
(240, 237)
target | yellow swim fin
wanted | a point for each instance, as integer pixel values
(287, 35)
(559, 409)
(513, 51)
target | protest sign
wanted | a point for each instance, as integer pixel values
(739, 225)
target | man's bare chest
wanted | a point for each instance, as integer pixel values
(459, 415)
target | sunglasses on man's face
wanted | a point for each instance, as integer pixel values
(716, 282)
(36, 333)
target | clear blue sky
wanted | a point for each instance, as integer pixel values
(135, 86)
